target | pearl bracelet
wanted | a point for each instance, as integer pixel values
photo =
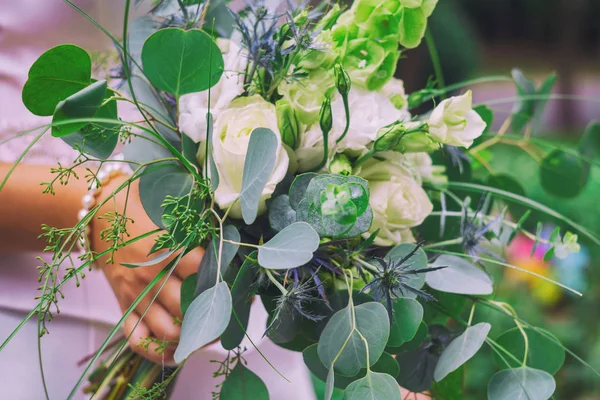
(107, 172)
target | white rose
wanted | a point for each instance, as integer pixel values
(398, 201)
(230, 144)
(454, 122)
(193, 107)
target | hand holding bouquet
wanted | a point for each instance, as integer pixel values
(290, 152)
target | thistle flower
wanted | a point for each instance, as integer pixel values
(393, 278)
(474, 232)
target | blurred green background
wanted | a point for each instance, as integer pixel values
(487, 37)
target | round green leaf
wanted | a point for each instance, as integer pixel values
(374, 386)
(563, 174)
(406, 319)
(521, 384)
(209, 266)
(241, 292)
(339, 337)
(281, 213)
(204, 321)
(292, 247)
(459, 276)
(386, 364)
(461, 349)
(57, 74)
(298, 188)
(545, 352)
(258, 166)
(97, 139)
(188, 292)
(83, 104)
(417, 261)
(181, 62)
(243, 384)
(155, 185)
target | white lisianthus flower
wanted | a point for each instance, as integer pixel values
(454, 122)
(193, 107)
(369, 112)
(397, 199)
(394, 90)
(422, 164)
(230, 145)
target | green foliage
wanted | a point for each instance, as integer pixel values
(461, 349)
(57, 74)
(544, 351)
(564, 174)
(281, 213)
(158, 183)
(406, 319)
(292, 247)
(258, 167)
(83, 104)
(341, 344)
(205, 320)
(241, 292)
(520, 384)
(531, 100)
(386, 364)
(98, 139)
(374, 386)
(181, 62)
(459, 276)
(188, 292)
(243, 384)
(209, 266)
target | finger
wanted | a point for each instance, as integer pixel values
(138, 331)
(170, 296)
(159, 320)
(189, 264)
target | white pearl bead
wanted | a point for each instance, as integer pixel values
(82, 214)
(102, 175)
(88, 201)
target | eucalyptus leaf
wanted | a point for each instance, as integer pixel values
(139, 30)
(258, 167)
(339, 337)
(412, 344)
(156, 260)
(374, 386)
(386, 364)
(57, 74)
(188, 292)
(329, 384)
(204, 321)
(98, 139)
(281, 213)
(461, 349)
(243, 384)
(544, 349)
(292, 247)
(83, 104)
(160, 182)
(241, 292)
(209, 266)
(459, 276)
(406, 319)
(181, 62)
(521, 384)
(298, 188)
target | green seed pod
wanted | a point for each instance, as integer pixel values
(343, 82)
(326, 116)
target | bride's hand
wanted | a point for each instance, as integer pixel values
(128, 283)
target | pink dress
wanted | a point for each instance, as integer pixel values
(27, 29)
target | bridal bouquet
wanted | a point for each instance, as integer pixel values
(283, 144)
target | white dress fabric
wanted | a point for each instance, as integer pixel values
(27, 29)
